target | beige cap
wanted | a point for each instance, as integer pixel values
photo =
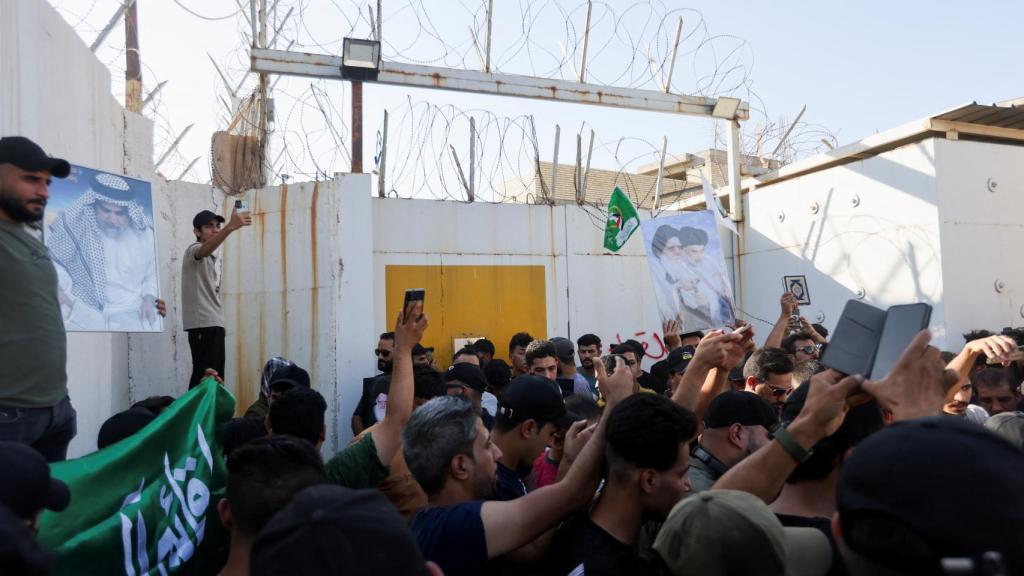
(730, 533)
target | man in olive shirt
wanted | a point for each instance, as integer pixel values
(34, 404)
(202, 316)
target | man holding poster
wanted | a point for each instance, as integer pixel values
(688, 271)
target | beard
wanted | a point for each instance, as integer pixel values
(384, 365)
(587, 362)
(109, 230)
(676, 268)
(19, 211)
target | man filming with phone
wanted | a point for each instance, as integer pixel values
(202, 316)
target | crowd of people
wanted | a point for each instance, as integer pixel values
(566, 458)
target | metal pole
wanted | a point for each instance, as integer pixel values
(790, 129)
(380, 21)
(189, 167)
(578, 172)
(733, 156)
(554, 166)
(675, 49)
(472, 159)
(462, 176)
(110, 25)
(536, 156)
(234, 93)
(586, 41)
(381, 190)
(357, 127)
(490, 13)
(476, 45)
(661, 170)
(586, 171)
(133, 68)
(152, 93)
(253, 22)
(172, 146)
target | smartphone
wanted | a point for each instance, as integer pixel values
(742, 329)
(902, 323)
(852, 347)
(241, 206)
(609, 362)
(412, 296)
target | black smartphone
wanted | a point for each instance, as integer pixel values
(902, 323)
(851, 350)
(609, 362)
(412, 296)
(566, 386)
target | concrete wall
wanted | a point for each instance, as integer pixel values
(42, 62)
(981, 231)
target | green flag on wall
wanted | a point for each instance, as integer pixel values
(622, 221)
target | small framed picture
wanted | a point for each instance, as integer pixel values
(798, 286)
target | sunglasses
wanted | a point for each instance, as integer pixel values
(778, 391)
(381, 352)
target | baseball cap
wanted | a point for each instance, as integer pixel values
(27, 155)
(910, 471)
(679, 358)
(205, 217)
(468, 374)
(26, 486)
(419, 350)
(289, 376)
(335, 530)
(122, 425)
(564, 349)
(532, 397)
(722, 532)
(1009, 425)
(736, 407)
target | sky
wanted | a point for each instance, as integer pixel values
(859, 68)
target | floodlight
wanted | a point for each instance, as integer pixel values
(360, 59)
(726, 108)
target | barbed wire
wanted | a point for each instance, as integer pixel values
(627, 44)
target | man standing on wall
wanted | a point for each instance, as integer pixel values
(202, 316)
(34, 404)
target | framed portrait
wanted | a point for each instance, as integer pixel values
(99, 230)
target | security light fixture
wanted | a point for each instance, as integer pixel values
(726, 108)
(360, 59)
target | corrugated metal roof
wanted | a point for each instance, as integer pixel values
(985, 115)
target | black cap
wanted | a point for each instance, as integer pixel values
(532, 397)
(468, 374)
(564, 349)
(122, 425)
(679, 359)
(419, 350)
(205, 217)
(27, 155)
(735, 407)
(334, 530)
(287, 377)
(912, 471)
(25, 485)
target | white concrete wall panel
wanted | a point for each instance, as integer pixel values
(982, 230)
(876, 229)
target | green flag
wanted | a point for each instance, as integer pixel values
(622, 221)
(145, 504)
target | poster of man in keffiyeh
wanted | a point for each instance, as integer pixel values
(688, 270)
(99, 229)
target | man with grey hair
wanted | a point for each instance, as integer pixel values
(103, 246)
(451, 455)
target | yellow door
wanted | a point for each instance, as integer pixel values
(490, 301)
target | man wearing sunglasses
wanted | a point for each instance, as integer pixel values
(374, 386)
(801, 346)
(769, 374)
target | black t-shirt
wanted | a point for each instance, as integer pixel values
(825, 525)
(508, 485)
(372, 387)
(581, 544)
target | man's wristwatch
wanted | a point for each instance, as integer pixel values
(791, 446)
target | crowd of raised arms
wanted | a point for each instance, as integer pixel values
(569, 458)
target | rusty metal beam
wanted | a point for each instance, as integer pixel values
(401, 74)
